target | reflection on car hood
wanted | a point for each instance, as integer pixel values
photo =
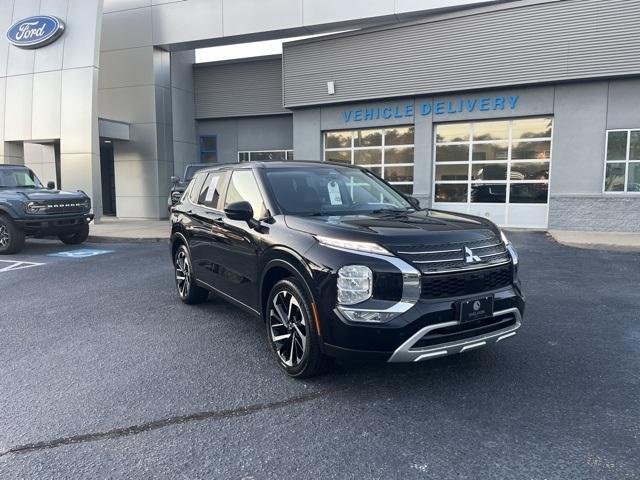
(42, 194)
(419, 228)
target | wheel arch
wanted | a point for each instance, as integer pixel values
(177, 239)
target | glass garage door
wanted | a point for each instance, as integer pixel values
(495, 169)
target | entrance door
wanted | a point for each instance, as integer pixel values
(498, 169)
(107, 174)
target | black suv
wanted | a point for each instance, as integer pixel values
(179, 186)
(338, 263)
(28, 209)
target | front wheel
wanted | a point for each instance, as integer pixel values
(292, 333)
(77, 237)
(11, 237)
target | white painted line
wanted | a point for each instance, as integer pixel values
(16, 265)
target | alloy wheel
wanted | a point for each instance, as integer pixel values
(288, 327)
(183, 273)
(4, 236)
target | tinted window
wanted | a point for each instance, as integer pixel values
(196, 186)
(211, 188)
(243, 187)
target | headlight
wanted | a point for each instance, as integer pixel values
(510, 248)
(504, 238)
(355, 284)
(86, 203)
(349, 245)
(34, 208)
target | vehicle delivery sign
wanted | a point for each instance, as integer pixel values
(35, 32)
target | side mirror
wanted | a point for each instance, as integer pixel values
(175, 180)
(415, 203)
(239, 211)
(51, 185)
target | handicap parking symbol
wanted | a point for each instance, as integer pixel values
(81, 253)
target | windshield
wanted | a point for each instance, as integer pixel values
(191, 171)
(332, 191)
(18, 177)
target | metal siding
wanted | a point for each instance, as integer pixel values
(239, 89)
(557, 41)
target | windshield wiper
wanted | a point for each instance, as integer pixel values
(393, 210)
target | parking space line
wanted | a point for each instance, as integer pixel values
(17, 265)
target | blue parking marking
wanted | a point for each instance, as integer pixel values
(81, 253)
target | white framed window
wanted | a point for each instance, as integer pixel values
(493, 161)
(622, 161)
(264, 155)
(388, 152)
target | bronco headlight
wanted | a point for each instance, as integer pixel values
(355, 284)
(33, 208)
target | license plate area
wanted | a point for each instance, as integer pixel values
(475, 309)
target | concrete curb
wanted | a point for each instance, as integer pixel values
(620, 242)
(106, 239)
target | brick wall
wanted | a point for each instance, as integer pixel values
(595, 212)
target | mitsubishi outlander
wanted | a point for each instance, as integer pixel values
(337, 264)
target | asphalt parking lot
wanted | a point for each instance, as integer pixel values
(105, 374)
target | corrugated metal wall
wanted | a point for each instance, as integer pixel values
(237, 89)
(525, 44)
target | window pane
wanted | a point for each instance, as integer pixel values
(531, 151)
(634, 146)
(614, 181)
(488, 193)
(451, 192)
(617, 146)
(243, 156)
(289, 154)
(489, 171)
(208, 143)
(243, 187)
(529, 193)
(530, 171)
(376, 170)
(266, 156)
(207, 157)
(342, 156)
(398, 136)
(633, 183)
(491, 131)
(490, 151)
(367, 157)
(452, 172)
(210, 194)
(398, 155)
(406, 189)
(453, 132)
(367, 138)
(452, 153)
(337, 140)
(531, 128)
(398, 174)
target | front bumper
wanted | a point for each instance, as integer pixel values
(53, 225)
(408, 352)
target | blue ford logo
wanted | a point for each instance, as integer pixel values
(35, 32)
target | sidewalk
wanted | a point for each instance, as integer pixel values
(628, 242)
(112, 229)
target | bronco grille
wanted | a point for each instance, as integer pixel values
(466, 283)
(438, 258)
(68, 206)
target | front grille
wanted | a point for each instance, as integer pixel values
(55, 207)
(442, 257)
(466, 283)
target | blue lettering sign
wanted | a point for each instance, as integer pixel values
(450, 107)
(35, 32)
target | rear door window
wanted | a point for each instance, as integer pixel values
(211, 190)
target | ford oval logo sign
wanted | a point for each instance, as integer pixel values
(35, 32)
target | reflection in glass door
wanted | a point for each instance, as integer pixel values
(497, 169)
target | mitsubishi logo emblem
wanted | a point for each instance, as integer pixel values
(470, 257)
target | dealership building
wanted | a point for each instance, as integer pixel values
(526, 112)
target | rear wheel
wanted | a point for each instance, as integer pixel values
(11, 237)
(188, 291)
(77, 237)
(292, 333)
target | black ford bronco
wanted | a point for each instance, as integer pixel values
(29, 209)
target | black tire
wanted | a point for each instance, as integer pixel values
(296, 346)
(11, 237)
(188, 291)
(77, 237)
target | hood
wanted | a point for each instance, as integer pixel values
(420, 228)
(43, 194)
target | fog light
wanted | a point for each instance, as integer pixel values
(355, 283)
(367, 316)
